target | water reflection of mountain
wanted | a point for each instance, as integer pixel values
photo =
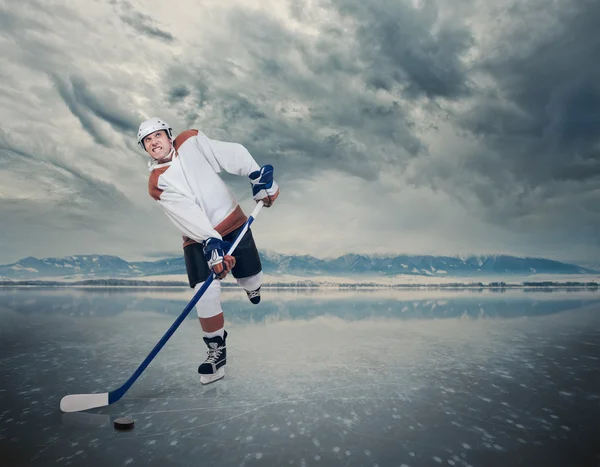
(300, 306)
(406, 310)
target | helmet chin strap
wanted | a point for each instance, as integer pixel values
(152, 162)
(170, 155)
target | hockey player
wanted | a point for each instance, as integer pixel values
(184, 181)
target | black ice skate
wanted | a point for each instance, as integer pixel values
(254, 295)
(212, 368)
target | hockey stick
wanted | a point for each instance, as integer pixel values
(79, 402)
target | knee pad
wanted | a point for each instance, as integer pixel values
(209, 304)
(251, 282)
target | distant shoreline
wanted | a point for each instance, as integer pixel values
(125, 283)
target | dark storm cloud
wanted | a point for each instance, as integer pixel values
(238, 107)
(400, 47)
(67, 94)
(544, 120)
(143, 23)
(308, 101)
(531, 154)
(83, 104)
(106, 109)
(178, 93)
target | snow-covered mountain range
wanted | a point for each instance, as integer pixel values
(104, 266)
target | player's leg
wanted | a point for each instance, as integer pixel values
(252, 285)
(248, 268)
(209, 313)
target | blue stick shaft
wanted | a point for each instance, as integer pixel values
(114, 396)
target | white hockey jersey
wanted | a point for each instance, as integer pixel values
(190, 191)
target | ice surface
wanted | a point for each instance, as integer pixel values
(392, 378)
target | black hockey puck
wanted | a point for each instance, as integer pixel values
(123, 423)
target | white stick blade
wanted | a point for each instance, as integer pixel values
(79, 402)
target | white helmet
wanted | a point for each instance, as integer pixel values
(152, 125)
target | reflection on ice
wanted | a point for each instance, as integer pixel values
(292, 304)
(313, 379)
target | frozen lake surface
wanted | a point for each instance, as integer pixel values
(314, 378)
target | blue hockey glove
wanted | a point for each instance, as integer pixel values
(215, 253)
(263, 186)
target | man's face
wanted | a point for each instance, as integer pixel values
(157, 144)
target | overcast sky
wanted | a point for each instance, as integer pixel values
(419, 127)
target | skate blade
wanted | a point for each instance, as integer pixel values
(207, 379)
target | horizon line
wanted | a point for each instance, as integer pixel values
(460, 256)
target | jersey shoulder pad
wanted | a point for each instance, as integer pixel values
(183, 137)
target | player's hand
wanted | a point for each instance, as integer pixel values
(215, 254)
(264, 188)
